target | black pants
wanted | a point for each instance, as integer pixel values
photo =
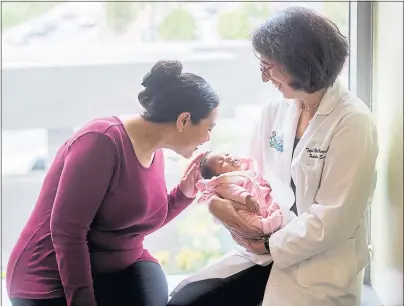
(245, 288)
(142, 284)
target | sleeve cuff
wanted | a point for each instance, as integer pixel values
(273, 245)
(182, 199)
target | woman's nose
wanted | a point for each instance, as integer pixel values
(207, 137)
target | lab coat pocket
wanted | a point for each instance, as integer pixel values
(334, 269)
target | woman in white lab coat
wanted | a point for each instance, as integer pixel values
(317, 145)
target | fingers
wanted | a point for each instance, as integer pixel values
(225, 212)
(237, 222)
(195, 161)
(242, 233)
(190, 174)
(250, 207)
(232, 223)
(254, 207)
(193, 168)
(250, 203)
(244, 229)
(239, 206)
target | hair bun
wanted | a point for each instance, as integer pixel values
(161, 72)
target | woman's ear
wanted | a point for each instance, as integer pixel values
(183, 121)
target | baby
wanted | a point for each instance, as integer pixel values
(238, 179)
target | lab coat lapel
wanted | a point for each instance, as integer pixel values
(313, 126)
(328, 103)
(289, 132)
(280, 183)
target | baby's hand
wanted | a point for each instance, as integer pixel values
(252, 204)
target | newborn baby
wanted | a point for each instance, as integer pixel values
(238, 179)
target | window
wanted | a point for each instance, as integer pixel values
(67, 63)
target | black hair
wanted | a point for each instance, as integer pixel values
(206, 172)
(309, 46)
(169, 92)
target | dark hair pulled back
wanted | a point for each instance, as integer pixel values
(169, 92)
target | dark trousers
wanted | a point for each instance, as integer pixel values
(245, 288)
(142, 284)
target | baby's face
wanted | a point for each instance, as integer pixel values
(220, 163)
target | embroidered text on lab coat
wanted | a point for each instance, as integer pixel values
(317, 153)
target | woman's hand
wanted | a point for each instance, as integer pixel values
(252, 205)
(225, 211)
(255, 246)
(191, 175)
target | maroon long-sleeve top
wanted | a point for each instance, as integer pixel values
(96, 205)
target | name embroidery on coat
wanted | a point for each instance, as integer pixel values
(317, 153)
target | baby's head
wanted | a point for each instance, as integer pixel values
(215, 164)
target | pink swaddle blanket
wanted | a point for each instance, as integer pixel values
(237, 186)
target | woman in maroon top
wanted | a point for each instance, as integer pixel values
(104, 192)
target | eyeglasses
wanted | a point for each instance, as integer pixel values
(265, 68)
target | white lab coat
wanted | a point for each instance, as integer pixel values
(320, 255)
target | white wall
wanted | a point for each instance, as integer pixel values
(62, 93)
(387, 209)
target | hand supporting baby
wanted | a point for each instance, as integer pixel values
(226, 211)
(252, 204)
(255, 246)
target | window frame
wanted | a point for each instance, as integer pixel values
(360, 75)
(360, 70)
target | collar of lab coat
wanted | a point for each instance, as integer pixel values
(331, 98)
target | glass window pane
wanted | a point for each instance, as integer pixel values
(66, 63)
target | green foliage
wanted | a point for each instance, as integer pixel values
(121, 14)
(198, 230)
(178, 25)
(200, 234)
(15, 13)
(197, 242)
(238, 23)
(190, 260)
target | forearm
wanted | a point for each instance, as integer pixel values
(73, 260)
(177, 202)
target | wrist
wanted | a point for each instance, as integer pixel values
(184, 192)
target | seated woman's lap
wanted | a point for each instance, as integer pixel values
(143, 284)
(245, 288)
